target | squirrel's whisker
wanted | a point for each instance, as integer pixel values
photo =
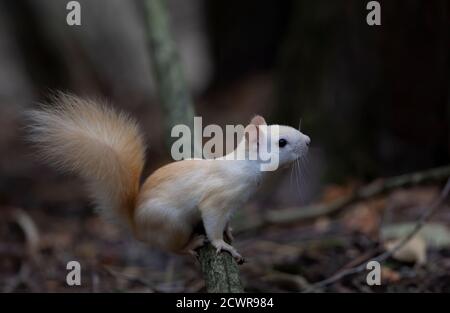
(292, 170)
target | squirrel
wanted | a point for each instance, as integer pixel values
(106, 148)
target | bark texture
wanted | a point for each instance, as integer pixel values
(220, 271)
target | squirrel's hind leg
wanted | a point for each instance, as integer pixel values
(163, 231)
(194, 243)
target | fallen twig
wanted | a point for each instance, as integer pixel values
(29, 228)
(385, 255)
(376, 188)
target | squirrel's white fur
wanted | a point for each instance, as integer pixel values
(107, 149)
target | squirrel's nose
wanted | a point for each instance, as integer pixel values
(308, 141)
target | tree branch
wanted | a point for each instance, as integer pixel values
(220, 271)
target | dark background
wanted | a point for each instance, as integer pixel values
(374, 100)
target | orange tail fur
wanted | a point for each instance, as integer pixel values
(92, 140)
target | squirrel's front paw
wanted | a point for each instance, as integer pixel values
(222, 245)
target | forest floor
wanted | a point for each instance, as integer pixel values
(37, 243)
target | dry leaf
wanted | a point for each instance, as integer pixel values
(365, 217)
(436, 235)
(389, 275)
(335, 192)
(414, 250)
(322, 224)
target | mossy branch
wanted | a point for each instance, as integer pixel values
(220, 271)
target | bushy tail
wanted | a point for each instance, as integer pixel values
(92, 140)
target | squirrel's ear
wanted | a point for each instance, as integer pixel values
(258, 120)
(252, 131)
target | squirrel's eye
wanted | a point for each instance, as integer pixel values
(282, 143)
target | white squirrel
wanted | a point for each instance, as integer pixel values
(107, 150)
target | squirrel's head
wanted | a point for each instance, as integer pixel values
(284, 144)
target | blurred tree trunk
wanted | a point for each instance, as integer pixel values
(221, 272)
(172, 88)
